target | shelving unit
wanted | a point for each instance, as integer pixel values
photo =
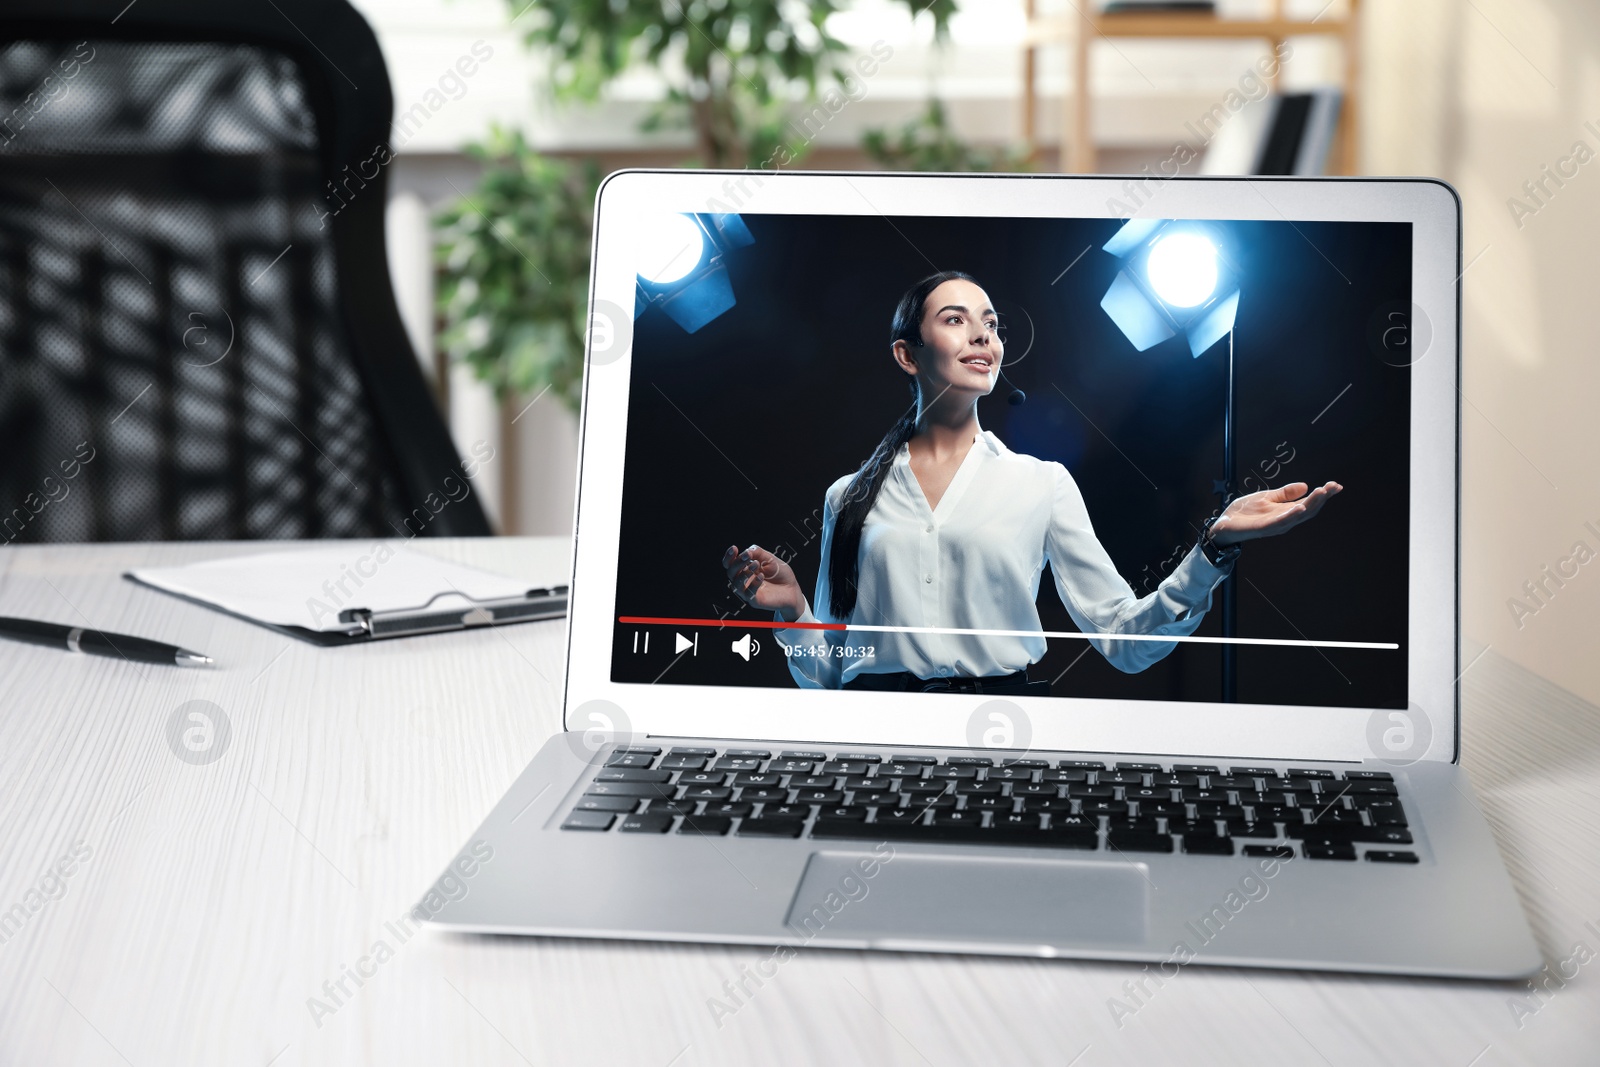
(1082, 27)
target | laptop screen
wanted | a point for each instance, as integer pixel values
(981, 455)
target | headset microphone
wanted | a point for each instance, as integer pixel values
(1017, 397)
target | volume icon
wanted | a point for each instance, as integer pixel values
(746, 647)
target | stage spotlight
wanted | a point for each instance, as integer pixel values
(1183, 269)
(670, 246)
(682, 266)
(1172, 281)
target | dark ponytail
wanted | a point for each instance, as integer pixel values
(844, 561)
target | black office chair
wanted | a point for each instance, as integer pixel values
(198, 338)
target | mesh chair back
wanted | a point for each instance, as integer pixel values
(174, 364)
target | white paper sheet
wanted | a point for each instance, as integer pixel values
(309, 587)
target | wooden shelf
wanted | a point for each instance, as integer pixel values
(1077, 138)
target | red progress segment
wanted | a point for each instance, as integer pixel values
(741, 624)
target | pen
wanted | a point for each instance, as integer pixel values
(98, 642)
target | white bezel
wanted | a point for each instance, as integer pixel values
(1058, 724)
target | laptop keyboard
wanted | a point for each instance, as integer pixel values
(1033, 803)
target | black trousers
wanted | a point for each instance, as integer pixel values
(1016, 684)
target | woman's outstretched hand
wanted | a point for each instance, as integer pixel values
(764, 581)
(1271, 512)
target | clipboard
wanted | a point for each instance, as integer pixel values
(353, 593)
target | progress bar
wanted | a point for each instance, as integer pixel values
(751, 624)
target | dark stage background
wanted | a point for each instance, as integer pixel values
(734, 434)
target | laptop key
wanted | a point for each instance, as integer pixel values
(958, 818)
(1277, 813)
(819, 796)
(1193, 768)
(844, 811)
(795, 754)
(786, 811)
(630, 759)
(898, 815)
(589, 820)
(1207, 845)
(1244, 828)
(1174, 781)
(706, 825)
(631, 789)
(1330, 852)
(1079, 765)
(1105, 807)
(738, 763)
(729, 809)
(899, 769)
(791, 766)
(845, 767)
(1383, 856)
(1059, 777)
(763, 794)
(632, 774)
(692, 752)
(707, 792)
(1386, 812)
(770, 827)
(1276, 852)
(752, 753)
(645, 824)
(702, 778)
(640, 750)
(672, 807)
(612, 804)
(1017, 821)
(1368, 776)
(753, 778)
(950, 833)
(1140, 842)
(684, 763)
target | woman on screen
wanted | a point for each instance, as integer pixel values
(945, 528)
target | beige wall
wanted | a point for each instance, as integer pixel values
(1484, 94)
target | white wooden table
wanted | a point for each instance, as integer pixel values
(210, 906)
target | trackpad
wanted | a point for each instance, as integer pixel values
(885, 897)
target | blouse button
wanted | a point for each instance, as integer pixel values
(929, 530)
(929, 579)
(944, 671)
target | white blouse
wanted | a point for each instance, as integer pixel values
(974, 563)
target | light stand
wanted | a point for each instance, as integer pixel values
(1174, 282)
(1230, 605)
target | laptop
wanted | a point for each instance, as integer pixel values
(1029, 565)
